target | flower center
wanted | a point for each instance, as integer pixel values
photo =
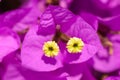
(75, 45)
(50, 48)
(60, 35)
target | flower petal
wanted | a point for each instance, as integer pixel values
(55, 15)
(111, 62)
(9, 42)
(12, 17)
(84, 31)
(111, 22)
(32, 55)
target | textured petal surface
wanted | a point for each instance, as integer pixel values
(53, 16)
(90, 19)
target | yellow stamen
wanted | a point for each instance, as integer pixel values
(109, 44)
(75, 45)
(50, 48)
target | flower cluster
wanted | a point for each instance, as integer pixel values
(60, 40)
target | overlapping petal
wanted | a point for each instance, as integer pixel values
(111, 62)
(9, 42)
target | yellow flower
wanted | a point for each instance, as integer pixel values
(75, 45)
(50, 49)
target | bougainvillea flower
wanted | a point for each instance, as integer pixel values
(71, 31)
(111, 62)
(110, 37)
(9, 42)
